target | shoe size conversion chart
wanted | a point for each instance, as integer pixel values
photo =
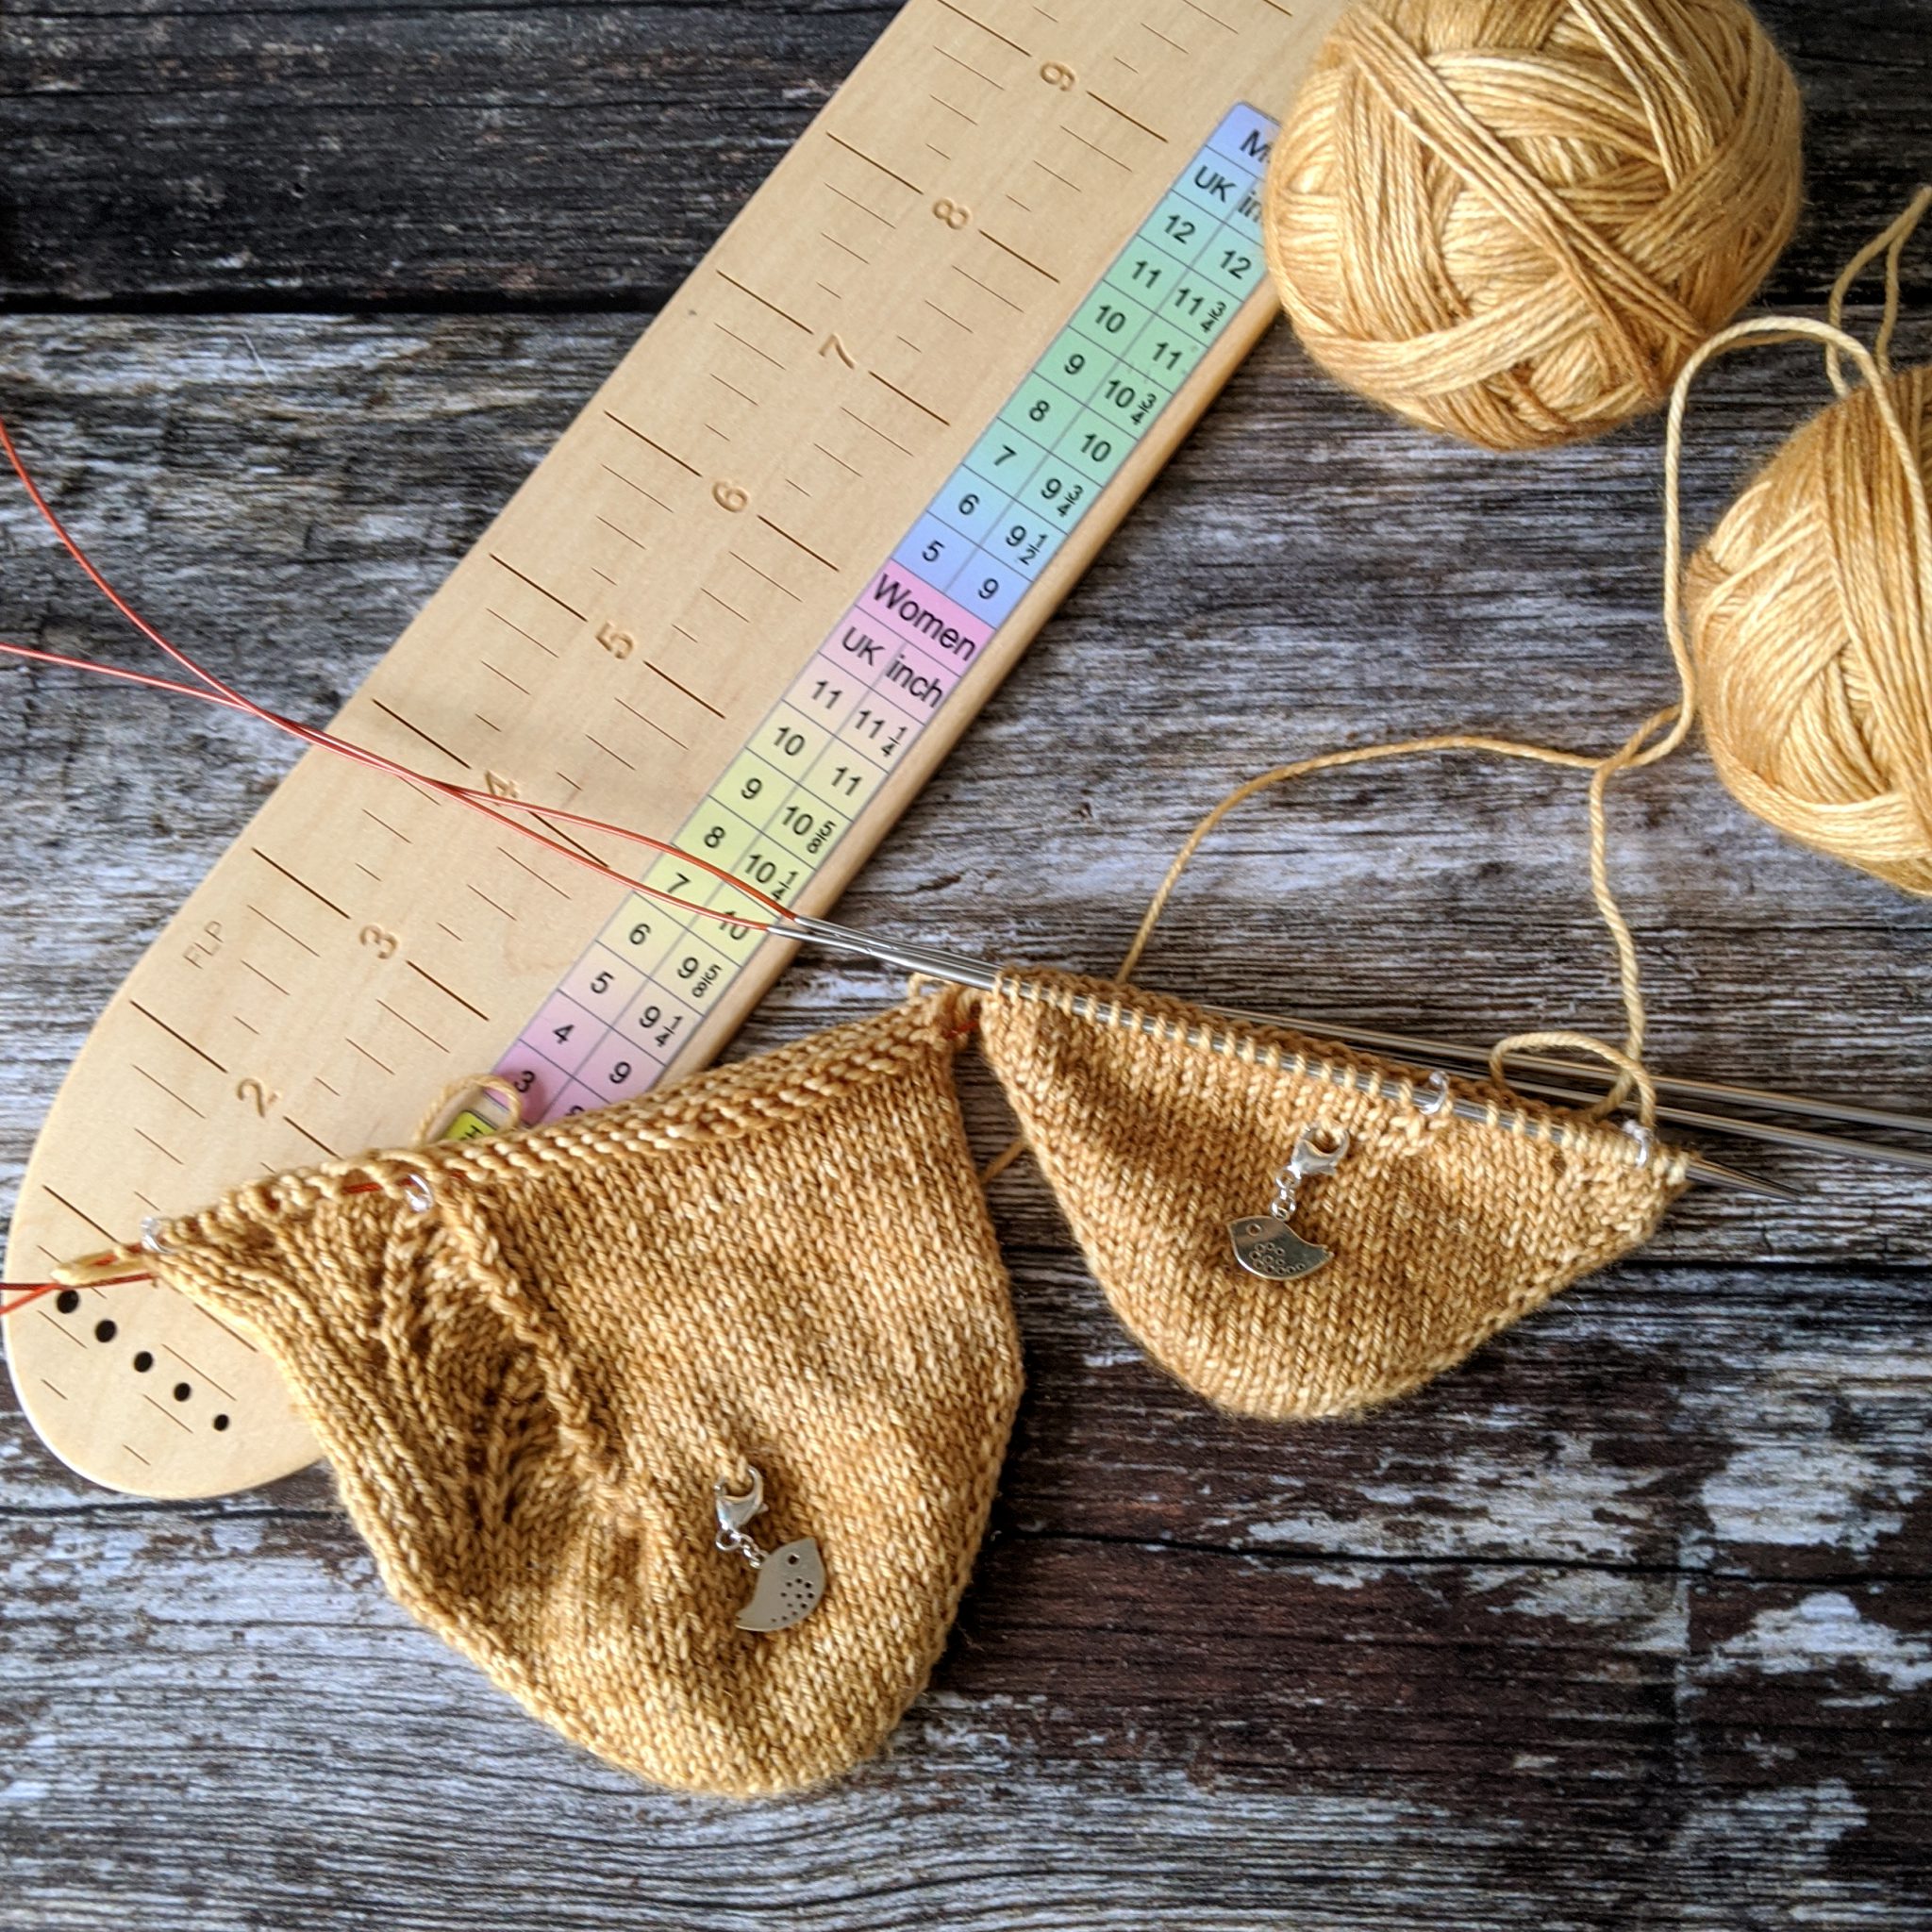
(630, 1007)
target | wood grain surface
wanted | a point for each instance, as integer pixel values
(1625, 1625)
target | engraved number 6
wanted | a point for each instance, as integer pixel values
(729, 497)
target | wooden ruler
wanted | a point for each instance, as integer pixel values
(747, 603)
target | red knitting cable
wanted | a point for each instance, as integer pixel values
(217, 692)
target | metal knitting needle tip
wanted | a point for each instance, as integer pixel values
(960, 970)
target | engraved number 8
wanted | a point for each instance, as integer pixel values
(953, 213)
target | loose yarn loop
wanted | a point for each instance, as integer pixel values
(531, 1359)
(1516, 220)
(1809, 608)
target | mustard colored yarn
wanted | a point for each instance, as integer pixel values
(530, 1387)
(1157, 1125)
(1809, 616)
(1515, 220)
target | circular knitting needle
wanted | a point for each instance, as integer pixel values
(960, 970)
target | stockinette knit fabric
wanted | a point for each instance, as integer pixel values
(1158, 1125)
(531, 1359)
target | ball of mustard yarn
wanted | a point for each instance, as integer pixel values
(1809, 617)
(1515, 220)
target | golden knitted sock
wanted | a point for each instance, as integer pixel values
(1159, 1127)
(532, 1360)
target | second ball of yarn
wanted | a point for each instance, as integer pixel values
(1515, 220)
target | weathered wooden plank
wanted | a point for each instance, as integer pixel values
(285, 491)
(1624, 1625)
(520, 153)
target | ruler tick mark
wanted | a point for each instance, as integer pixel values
(1226, 26)
(841, 142)
(1159, 36)
(941, 421)
(152, 1082)
(538, 588)
(875, 429)
(386, 826)
(505, 675)
(1018, 307)
(778, 529)
(446, 993)
(845, 247)
(492, 905)
(273, 866)
(874, 212)
(249, 966)
(66, 1335)
(358, 1047)
(529, 636)
(745, 289)
(624, 534)
(316, 1139)
(746, 394)
(244, 1023)
(705, 591)
(169, 1414)
(948, 314)
(668, 455)
(1064, 179)
(609, 753)
(633, 484)
(1127, 167)
(837, 459)
(411, 1024)
(951, 109)
(55, 1195)
(167, 1152)
(419, 732)
(182, 1037)
(293, 938)
(195, 1367)
(1007, 248)
(644, 719)
(1125, 116)
(745, 341)
(945, 53)
(785, 589)
(984, 29)
(702, 703)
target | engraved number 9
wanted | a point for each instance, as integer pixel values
(1057, 73)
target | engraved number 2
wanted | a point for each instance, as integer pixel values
(259, 1097)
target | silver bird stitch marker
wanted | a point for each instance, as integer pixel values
(1266, 1244)
(792, 1580)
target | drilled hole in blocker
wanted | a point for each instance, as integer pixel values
(105, 1331)
(183, 1390)
(143, 1363)
(67, 1300)
(221, 1421)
